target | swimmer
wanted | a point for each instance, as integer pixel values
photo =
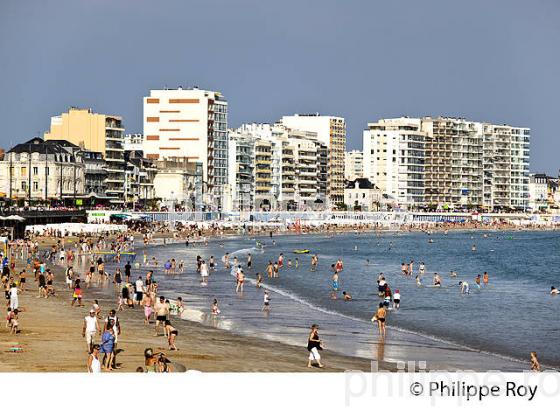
(367, 262)
(347, 296)
(297, 263)
(259, 280)
(437, 280)
(215, 308)
(485, 278)
(422, 268)
(418, 281)
(554, 291)
(477, 281)
(464, 287)
(473, 248)
(453, 274)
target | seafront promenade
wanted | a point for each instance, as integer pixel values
(330, 217)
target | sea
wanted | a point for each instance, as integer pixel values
(494, 327)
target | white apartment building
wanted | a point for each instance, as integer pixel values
(290, 171)
(330, 131)
(353, 165)
(393, 159)
(506, 166)
(190, 124)
(133, 142)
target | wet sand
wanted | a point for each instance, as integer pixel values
(51, 340)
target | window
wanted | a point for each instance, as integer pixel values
(23, 185)
(23, 171)
(35, 186)
(35, 170)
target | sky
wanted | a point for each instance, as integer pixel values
(495, 61)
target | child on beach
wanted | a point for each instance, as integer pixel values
(215, 309)
(77, 295)
(259, 280)
(535, 365)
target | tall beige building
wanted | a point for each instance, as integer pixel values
(95, 132)
(453, 161)
(330, 131)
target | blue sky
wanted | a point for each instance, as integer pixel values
(494, 61)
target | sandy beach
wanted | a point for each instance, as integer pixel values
(51, 341)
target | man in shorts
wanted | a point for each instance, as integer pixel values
(162, 311)
(90, 328)
(139, 290)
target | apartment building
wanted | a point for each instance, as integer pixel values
(264, 197)
(99, 133)
(446, 162)
(506, 166)
(454, 150)
(330, 131)
(353, 165)
(242, 170)
(190, 125)
(394, 159)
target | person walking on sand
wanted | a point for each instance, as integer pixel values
(147, 303)
(535, 365)
(172, 334)
(93, 364)
(162, 310)
(314, 344)
(107, 346)
(90, 328)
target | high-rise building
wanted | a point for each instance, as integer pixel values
(506, 166)
(241, 170)
(453, 161)
(449, 162)
(99, 133)
(394, 159)
(353, 165)
(190, 125)
(330, 131)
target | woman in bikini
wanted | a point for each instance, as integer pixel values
(381, 315)
(172, 334)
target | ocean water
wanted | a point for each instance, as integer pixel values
(494, 327)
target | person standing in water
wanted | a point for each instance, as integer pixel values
(380, 316)
(396, 299)
(485, 278)
(266, 301)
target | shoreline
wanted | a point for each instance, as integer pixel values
(51, 341)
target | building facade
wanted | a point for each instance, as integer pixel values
(353, 165)
(361, 195)
(330, 131)
(40, 171)
(394, 159)
(190, 125)
(99, 133)
(449, 163)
